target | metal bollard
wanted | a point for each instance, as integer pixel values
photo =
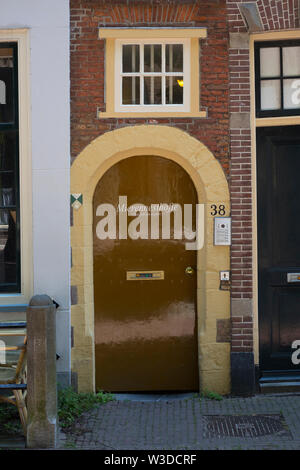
(41, 373)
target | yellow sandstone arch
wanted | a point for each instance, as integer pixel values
(212, 188)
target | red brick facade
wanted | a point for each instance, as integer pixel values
(224, 93)
(88, 56)
(274, 15)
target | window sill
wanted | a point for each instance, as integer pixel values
(277, 121)
(129, 115)
(14, 299)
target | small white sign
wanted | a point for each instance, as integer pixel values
(224, 276)
(222, 232)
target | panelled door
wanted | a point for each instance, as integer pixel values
(278, 203)
(144, 288)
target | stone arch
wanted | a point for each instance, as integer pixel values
(212, 188)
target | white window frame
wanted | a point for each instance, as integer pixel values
(21, 37)
(185, 107)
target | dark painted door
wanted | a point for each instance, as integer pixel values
(278, 204)
(145, 329)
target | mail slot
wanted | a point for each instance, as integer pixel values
(293, 277)
(145, 275)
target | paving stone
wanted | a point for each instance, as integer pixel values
(179, 424)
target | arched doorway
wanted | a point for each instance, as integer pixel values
(212, 188)
(145, 278)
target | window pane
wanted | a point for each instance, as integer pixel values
(8, 247)
(9, 194)
(9, 233)
(291, 93)
(269, 62)
(291, 60)
(6, 85)
(131, 90)
(152, 90)
(131, 58)
(8, 144)
(174, 90)
(152, 58)
(270, 94)
(7, 189)
(174, 58)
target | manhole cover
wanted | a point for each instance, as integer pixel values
(245, 426)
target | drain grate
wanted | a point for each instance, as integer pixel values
(245, 426)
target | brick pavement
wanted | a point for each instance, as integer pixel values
(178, 424)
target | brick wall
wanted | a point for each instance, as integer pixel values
(88, 56)
(274, 14)
(87, 96)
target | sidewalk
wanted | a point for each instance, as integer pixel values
(189, 423)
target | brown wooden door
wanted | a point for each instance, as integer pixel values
(145, 330)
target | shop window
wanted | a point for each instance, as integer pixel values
(9, 171)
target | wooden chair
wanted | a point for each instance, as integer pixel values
(13, 377)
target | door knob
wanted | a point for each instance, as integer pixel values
(189, 270)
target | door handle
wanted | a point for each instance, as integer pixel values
(189, 270)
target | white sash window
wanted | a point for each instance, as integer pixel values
(152, 75)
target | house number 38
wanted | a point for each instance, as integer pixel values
(220, 210)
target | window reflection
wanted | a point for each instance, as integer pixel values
(278, 78)
(152, 90)
(8, 211)
(152, 74)
(131, 90)
(131, 58)
(9, 169)
(2, 92)
(7, 246)
(174, 58)
(152, 58)
(174, 90)
(6, 85)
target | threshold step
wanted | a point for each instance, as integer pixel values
(280, 379)
(279, 387)
(12, 324)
